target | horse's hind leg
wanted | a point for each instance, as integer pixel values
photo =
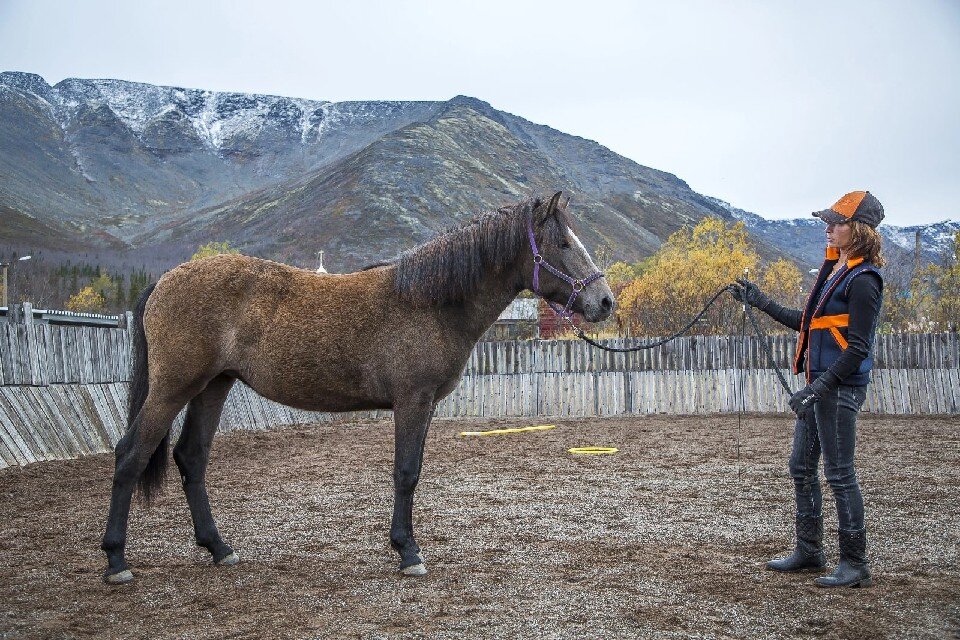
(192, 454)
(134, 451)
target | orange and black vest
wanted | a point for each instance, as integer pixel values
(826, 316)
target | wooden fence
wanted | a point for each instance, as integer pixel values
(43, 354)
(63, 389)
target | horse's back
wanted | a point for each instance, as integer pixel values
(226, 289)
(276, 327)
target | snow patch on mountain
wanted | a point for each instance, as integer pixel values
(216, 116)
(935, 239)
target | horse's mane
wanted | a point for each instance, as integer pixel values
(450, 267)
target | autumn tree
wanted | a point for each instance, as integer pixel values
(903, 297)
(213, 249)
(619, 274)
(937, 289)
(87, 300)
(104, 285)
(690, 267)
(783, 282)
(922, 298)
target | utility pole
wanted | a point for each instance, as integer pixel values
(4, 266)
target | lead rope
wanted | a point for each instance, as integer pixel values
(649, 345)
(766, 347)
(764, 341)
(748, 312)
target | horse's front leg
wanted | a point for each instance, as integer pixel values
(412, 417)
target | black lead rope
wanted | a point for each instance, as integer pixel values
(766, 347)
(650, 345)
(764, 340)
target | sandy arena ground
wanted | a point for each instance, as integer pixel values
(665, 539)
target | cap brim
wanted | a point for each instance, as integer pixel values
(830, 216)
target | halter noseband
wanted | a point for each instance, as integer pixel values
(539, 261)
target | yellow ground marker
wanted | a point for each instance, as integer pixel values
(592, 451)
(500, 432)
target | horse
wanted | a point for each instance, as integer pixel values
(396, 335)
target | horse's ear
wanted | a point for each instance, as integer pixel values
(543, 210)
(554, 203)
(566, 204)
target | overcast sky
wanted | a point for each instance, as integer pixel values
(776, 107)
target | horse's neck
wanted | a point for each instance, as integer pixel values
(482, 309)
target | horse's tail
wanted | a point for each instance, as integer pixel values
(152, 477)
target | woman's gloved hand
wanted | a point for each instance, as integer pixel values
(750, 293)
(803, 400)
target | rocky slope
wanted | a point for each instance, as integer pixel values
(109, 165)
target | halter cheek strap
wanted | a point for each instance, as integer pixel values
(577, 285)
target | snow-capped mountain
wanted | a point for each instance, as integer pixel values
(122, 157)
(803, 237)
(103, 164)
(125, 164)
(216, 118)
(936, 238)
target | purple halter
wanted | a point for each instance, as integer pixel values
(578, 285)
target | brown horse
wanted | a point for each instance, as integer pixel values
(393, 336)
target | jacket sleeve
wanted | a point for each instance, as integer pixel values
(865, 297)
(789, 318)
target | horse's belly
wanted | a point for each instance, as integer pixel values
(319, 399)
(341, 389)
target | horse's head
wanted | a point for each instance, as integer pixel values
(560, 269)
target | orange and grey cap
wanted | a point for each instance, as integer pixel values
(856, 205)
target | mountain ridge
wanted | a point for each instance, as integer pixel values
(118, 164)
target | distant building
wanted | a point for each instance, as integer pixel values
(519, 321)
(551, 324)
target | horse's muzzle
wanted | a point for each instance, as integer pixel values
(600, 310)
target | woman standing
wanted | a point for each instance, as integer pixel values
(836, 328)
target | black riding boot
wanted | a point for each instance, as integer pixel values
(853, 570)
(809, 552)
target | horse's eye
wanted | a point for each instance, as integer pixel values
(565, 244)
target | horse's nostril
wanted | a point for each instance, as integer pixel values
(606, 303)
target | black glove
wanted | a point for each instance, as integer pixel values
(803, 400)
(750, 293)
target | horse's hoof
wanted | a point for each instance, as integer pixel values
(120, 577)
(228, 561)
(414, 570)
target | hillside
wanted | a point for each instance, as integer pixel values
(126, 172)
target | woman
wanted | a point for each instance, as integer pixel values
(836, 328)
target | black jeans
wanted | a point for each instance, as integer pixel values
(829, 428)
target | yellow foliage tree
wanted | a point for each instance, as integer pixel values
(688, 269)
(937, 289)
(620, 274)
(782, 281)
(87, 300)
(213, 249)
(104, 285)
